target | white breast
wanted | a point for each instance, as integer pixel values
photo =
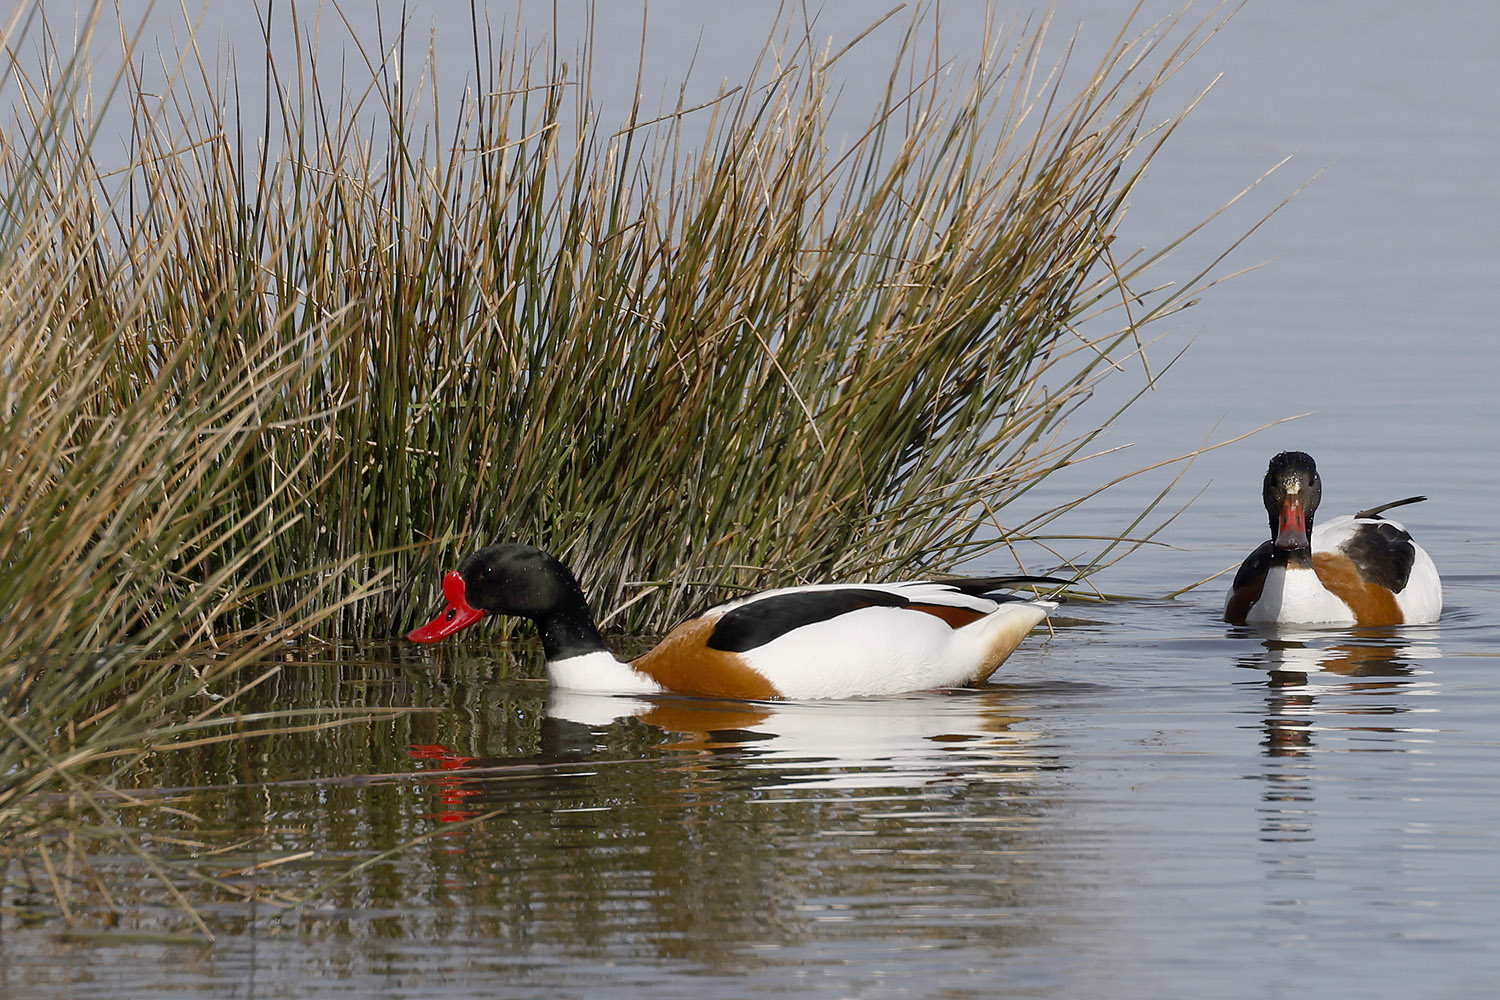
(1297, 597)
(599, 671)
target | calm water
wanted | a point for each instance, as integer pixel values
(1152, 804)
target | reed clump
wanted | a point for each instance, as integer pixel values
(700, 349)
(267, 370)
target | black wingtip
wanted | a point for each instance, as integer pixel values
(989, 584)
(1377, 511)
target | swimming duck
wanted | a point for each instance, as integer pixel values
(818, 641)
(1359, 570)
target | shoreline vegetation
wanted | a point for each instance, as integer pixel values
(272, 371)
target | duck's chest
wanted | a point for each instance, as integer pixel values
(1298, 596)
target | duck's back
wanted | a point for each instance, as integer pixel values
(831, 641)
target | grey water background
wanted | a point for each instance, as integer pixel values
(1151, 803)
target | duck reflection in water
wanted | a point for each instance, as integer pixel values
(1312, 687)
(907, 741)
(709, 832)
(1307, 678)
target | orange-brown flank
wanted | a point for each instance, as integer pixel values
(683, 662)
(1371, 603)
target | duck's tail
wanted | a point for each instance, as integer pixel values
(995, 636)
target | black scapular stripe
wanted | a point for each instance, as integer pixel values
(757, 623)
(1383, 553)
(1256, 565)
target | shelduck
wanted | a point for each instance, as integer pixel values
(1359, 570)
(819, 641)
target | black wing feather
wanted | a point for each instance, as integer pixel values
(1383, 553)
(978, 586)
(1377, 511)
(760, 621)
(1256, 565)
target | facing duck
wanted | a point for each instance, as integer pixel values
(1359, 570)
(818, 641)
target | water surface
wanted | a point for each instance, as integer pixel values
(1151, 803)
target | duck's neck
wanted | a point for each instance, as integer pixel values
(577, 658)
(568, 630)
(1292, 558)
